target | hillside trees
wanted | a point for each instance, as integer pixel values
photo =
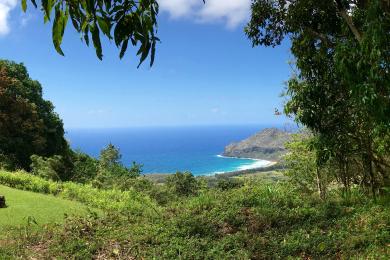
(111, 173)
(341, 90)
(28, 123)
(105, 172)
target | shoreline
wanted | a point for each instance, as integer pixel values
(244, 158)
(254, 166)
(240, 170)
(161, 177)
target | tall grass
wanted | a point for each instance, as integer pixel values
(129, 202)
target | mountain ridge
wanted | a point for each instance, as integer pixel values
(267, 144)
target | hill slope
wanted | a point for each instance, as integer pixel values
(267, 144)
(44, 208)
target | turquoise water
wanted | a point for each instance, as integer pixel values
(170, 149)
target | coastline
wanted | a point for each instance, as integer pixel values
(246, 158)
(161, 177)
(258, 164)
(264, 165)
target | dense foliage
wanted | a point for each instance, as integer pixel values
(106, 172)
(28, 123)
(341, 87)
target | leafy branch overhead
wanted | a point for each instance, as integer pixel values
(123, 21)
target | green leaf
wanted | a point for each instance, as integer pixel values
(58, 30)
(124, 48)
(108, 4)
(321, 246)
(120, 31)
(47, 7)
(74, 18)
(153, 53)
(105, 26)
(24, 5)
(96, 41)
(145, 53)
(86, 38)
(34, 3)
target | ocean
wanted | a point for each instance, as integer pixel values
(170, 149)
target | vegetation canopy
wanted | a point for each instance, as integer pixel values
(341, 87)
(28, 123)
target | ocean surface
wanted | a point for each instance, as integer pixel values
(170, 149)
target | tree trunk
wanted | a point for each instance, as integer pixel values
(2, 202)
(369, 173)
(348, 19)
(320, 186)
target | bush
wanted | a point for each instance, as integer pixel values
(7, 162)
(47, 168)
(183, 184)
(85, 167)
(229, 183)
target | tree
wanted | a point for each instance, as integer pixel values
(28, 123)
(109, 157)
(342, 85)
(111, 172)
(124, 21)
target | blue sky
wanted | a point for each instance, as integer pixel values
(205, 73)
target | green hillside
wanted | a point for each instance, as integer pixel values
(43, 208)
(238, 218)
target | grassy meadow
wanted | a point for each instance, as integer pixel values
(44, 209)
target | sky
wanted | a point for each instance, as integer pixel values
(205, 73)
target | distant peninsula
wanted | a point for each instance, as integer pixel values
(267, 144)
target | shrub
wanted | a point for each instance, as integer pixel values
(85, 167)
(7, 162)
(46, 168)
(229, 183)
(183, 184)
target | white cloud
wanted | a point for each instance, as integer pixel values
(178, 8)
(5, 7)
(25, 18)
(230, 12)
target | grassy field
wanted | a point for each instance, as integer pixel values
(43, 208)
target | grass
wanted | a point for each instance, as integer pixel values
(43, 208)
(259, 220)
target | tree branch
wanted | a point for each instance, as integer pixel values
(348, 20)
(321, 36)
